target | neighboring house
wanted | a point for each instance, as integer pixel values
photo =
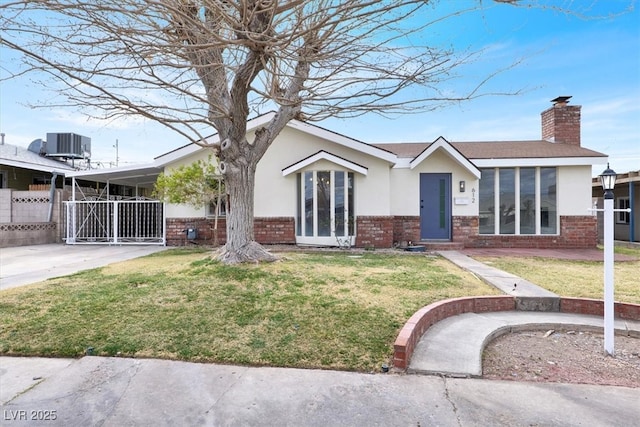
(626, 195)
(317, 187)
(30, 207)
(21, 168)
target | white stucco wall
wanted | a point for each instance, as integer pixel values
(275, 195)
(574, 190)
(186, 211)
(405, 198)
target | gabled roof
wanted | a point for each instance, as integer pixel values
(305, 127)
(497, 149)
(503, 153)
(442, 144)
(19, 157)
(323, 155)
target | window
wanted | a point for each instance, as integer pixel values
(325, 204)
(507, 201)
(486, 192)
(211, 208)
(548, 210)
(218, 197)
(622, 217)
(525, 199)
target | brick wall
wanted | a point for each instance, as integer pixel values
(280, 230)
(464, 228)
(405, 229)
(427, 316)
(596, 308)
(176, 235)
(576, 232)
(374, 232)
(385, 231)
(275, 231)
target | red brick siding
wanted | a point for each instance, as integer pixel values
(176, 235)
(405, 229)
(275, 231)
(374, 231)
(279, 230)
(385, 231)
(464, 228)
(577, 232)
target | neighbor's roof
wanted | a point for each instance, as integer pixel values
(498, 149)
(12, 155)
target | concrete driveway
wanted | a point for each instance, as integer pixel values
(30, 264)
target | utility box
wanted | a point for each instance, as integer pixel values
(192, 233)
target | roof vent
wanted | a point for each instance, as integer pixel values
(37, 146)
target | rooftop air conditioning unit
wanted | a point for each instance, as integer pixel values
(68, 145)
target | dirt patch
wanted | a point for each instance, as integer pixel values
(566, 356)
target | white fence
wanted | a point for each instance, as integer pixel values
(115, 222)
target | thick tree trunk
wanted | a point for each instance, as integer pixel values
(241, 246)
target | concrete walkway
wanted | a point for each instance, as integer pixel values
(506, 282)
(454, 345)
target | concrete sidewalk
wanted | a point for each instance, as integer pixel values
(142, 392)
(23, 265)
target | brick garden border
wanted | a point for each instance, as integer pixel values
(427, 316)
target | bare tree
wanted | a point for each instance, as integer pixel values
(198, 66)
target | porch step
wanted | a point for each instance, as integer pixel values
(441, 246)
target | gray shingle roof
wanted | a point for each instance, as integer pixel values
(497, 149)
(12, 155)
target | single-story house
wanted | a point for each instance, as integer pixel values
(318, 187)
(626, 195)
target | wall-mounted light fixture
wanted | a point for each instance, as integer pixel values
(462, 186)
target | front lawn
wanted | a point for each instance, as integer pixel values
(333, 310)
(576, 278)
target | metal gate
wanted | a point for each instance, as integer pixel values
(139, 222)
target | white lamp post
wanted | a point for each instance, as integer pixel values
(608, 179)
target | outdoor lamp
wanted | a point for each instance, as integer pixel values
(608, 179)
(463, 186)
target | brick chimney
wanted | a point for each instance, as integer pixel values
(561, 123)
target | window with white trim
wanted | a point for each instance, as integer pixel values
(520, 201)
(325, 206)
(622, 217)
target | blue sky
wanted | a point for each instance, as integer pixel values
(597, 61)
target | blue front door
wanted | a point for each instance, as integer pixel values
(435, 206)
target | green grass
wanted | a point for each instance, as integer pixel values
(332, 310)
(576, 278)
